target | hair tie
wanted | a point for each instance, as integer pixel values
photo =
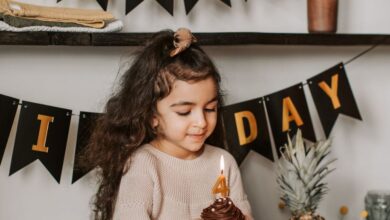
(183, 38)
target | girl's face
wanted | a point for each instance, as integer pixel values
(186, 118)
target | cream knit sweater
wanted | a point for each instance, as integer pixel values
(160, 186)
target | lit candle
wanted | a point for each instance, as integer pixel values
(220, 186)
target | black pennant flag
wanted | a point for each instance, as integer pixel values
(288, 111)
(227, 2)
(131, 4)
(167, 4)
(103, 4)
(8, 107)
(189, 4)
(86, 123)
(41, 134)
(246, 126)
(332, 95)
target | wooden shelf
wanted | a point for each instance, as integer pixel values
(229, 38)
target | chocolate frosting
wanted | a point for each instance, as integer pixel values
(222, 209)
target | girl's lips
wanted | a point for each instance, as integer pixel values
(202, 134)
(197, 136)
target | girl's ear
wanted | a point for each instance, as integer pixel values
(154, 122)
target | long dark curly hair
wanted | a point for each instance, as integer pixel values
(126, 122)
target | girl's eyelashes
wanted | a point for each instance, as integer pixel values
(210, 109)
(188, 112)
(183, 113)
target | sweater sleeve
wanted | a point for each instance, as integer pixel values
(135, 196)
(237, 193)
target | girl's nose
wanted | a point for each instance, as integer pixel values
(200, 120)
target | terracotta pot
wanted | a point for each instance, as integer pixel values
(322, 16)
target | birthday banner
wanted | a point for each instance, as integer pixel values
(86, 123)
(41, 134)
(8, 107)
(246, 126)
(42, 130)
(168, 5)
(287, 110)
(333, 95)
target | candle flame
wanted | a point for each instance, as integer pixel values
(220, 185)
(222, 164)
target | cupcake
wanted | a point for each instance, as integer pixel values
(222, 209)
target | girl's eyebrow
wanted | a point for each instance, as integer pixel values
(181, 103)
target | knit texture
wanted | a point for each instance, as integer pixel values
(19, 22)
(85, 17)
(114, 26)
(163, 187)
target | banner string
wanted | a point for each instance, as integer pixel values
(361, 53)
(366, 51)
(19, 103)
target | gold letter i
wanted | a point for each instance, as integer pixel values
(43, 129)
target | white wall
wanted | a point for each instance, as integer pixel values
(81, 78)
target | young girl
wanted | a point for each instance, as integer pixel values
(154, 143)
